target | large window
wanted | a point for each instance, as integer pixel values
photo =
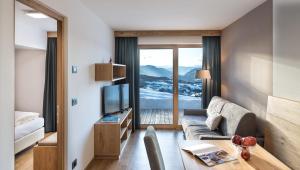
(156, 86)
(189, 88)
(167, 83)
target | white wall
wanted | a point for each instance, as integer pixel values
(30, 80)
(31, 32)
(28, 34)
(89, 41)
(7, 84)
(170, 40)
(286, 66)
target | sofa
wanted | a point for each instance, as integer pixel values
(235, 120)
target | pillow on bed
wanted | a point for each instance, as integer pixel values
(23, 117)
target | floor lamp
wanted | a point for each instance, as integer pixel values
(204, 75)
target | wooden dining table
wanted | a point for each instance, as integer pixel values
(260, 159)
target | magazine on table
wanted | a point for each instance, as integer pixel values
(209, 154)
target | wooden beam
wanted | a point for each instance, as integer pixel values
(168, 33)
(60, 91)
(51, 34)
(172, 46)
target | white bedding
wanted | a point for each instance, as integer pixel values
(24, 117)
(28, 127)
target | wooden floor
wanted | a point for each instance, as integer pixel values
(158, 116)
(134, 156)
(24, 159)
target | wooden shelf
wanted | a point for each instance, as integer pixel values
(111, 137)
(117, 79)
(109, 72)
(123, 132)
(129, 121)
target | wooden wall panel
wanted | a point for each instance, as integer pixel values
(282, 133)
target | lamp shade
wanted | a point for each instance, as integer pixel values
(203, 74)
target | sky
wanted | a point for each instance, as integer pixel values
(188, 57)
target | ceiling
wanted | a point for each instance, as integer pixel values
(45, 24)
(170, 14)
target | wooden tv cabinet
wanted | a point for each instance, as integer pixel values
(110, 138)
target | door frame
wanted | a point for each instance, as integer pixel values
(61, 67)
(175, 48)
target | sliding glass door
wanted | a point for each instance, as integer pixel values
(167, 83)
(156, 86)
(189, 88)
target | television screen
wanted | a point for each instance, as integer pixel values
(125, 96)
(111, 99)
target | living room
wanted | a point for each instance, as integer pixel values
(201, 73)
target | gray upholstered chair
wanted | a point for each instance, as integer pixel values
(153, 150)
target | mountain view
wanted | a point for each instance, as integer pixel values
(156, 80)
(156, 84)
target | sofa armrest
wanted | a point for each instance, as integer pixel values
(213, 137)
(195, 112)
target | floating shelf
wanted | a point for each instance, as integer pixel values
(109, 72)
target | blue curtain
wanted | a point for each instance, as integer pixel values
(126, 52)
(211, 62)
(49, 103)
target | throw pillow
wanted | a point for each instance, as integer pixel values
(213, 121)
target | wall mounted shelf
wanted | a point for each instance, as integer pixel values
(109, 72)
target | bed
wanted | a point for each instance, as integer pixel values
(29, 129)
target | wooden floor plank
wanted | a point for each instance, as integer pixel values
(24, 159)
(135, 157)
(156, 116)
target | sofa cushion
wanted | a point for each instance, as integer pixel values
(192, 121)
(215, 106)
(194, 127)
(237, 120)
(196, 131)
(212, 122)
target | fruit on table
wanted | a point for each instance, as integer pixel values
(245, 154)
(248, 141)
(236, 139)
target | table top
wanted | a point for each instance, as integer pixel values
(260, 158)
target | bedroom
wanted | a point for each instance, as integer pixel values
(35, 103)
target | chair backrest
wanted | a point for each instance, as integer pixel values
(153, 150)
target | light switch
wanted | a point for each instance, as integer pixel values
(74, 101)
(74, 69)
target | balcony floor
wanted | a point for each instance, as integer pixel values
(158, 116)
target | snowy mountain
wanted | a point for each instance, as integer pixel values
(153, 71)
(186, 74)
(189, 76)
(182, 70)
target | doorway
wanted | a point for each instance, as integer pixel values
(167, 83)
(40, 10)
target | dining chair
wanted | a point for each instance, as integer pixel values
(153, 150)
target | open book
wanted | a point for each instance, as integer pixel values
(209, 154)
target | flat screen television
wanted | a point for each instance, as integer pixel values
(124, 96)
(111, 99)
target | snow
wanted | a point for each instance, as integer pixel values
(151, 99)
